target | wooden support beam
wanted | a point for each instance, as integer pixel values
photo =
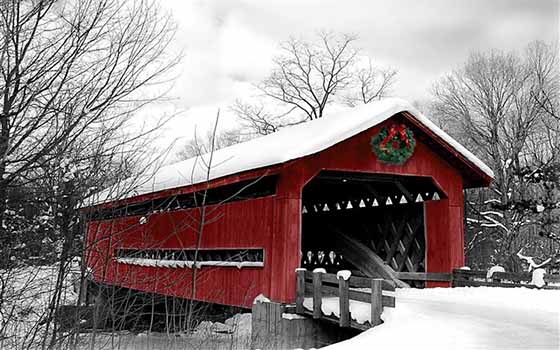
(409, 196)
(317, 294)
(300, 292)
(344, 302)
(425, 276)
(376, 301)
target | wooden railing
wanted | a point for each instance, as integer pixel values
(474, 278)
(317, 285)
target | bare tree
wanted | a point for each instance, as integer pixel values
(72, 74)
(68, 66)
(308, 76)
(197, 146)
(255, 117)
(491, 105)
(372, 83)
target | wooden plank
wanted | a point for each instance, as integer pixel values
(344, 302)
(424, 276)
(463, 274)
(365, 297)
(317, 294)
(363, 282)
(354, 281)
(300, 291)
(376, 302)
(330, 278)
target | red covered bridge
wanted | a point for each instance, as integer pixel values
(317, 194)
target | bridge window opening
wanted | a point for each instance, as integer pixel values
(357, 221)
(185, 258)
(238, 191)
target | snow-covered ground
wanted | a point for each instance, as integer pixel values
(26, 294)
(466, 318)
(439, 318)
(233, 334)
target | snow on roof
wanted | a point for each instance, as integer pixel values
(287, 144)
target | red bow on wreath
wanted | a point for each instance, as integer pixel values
(395, 130)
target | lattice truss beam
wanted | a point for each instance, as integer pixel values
(382, 211)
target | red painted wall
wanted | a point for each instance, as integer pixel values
(231, 225)
(273, 223)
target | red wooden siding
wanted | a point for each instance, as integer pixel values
(273, 223)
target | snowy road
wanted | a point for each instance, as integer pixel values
(467, 318)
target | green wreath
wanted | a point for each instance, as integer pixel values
(394, 144)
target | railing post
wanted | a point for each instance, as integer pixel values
(317, 293)
(376, 301)
(344, 302)
(300, 291)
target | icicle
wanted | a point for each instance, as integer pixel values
(362, 204)
(349, 206)
(338, 206)
(403, 200)
(419, 198)
(375, 204)
(304, 210)
(389, 201)
(435, 197)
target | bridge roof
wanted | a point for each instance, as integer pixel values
(289, 144)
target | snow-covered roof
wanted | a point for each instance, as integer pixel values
(287, 144)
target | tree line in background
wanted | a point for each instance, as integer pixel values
(505, 108)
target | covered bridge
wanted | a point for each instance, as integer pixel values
(374, 189)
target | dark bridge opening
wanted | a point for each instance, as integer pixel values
(358, 221)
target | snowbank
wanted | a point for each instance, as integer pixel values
(466, 318)
(26, 294)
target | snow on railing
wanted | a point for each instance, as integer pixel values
(495, 277)
(350, 301)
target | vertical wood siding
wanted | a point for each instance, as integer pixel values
(273, 223)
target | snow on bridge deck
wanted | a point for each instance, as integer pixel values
(465, 318)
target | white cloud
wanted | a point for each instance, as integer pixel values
(228, 45)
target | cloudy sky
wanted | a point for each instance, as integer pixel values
(228, 44)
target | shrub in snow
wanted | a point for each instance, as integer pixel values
(538, 278)
(493, 269)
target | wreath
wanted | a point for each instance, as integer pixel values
(394, 144)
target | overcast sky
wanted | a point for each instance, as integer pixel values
(228, 44)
